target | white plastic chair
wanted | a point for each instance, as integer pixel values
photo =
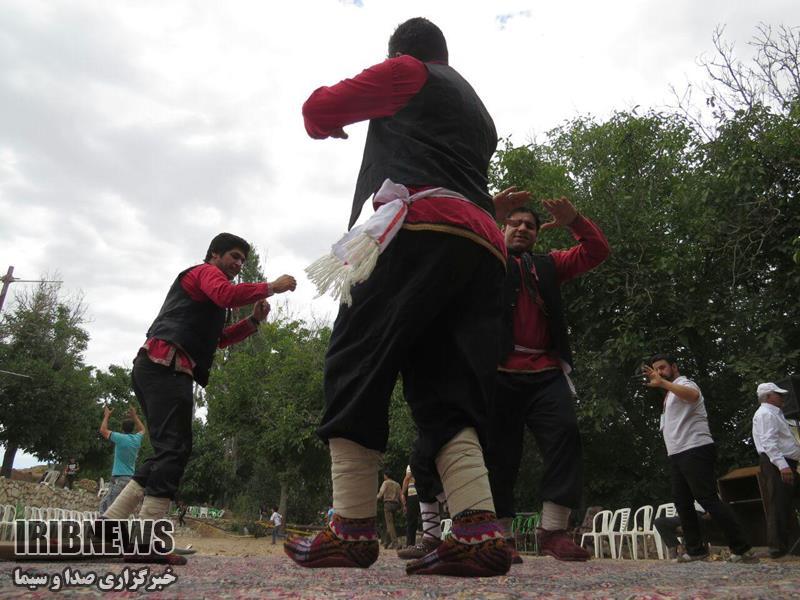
(203, 512)
(618, 528)
(600, 528)
(50, 478)
(102, 488)
(663, 510)
(641, 526)
(7, 515)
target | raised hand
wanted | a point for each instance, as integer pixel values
(284, 283)
(261, 310)
(508, 200)
(562, 211)
(655, 379)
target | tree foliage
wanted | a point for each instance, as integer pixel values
(43, 338)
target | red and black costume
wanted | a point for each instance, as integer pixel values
(180, 347)
(431, 308)
(532, 384)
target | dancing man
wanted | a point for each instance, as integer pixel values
(179, 350)
(430, 308)
(533, 385)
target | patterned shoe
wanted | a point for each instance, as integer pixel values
(349, 543)
(426, 546)
(476, 548)
(559, 545)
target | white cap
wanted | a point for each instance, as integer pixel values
(766, 388)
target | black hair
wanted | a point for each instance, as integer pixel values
(663, 356)
(419, 38)
(528, 210)
(225, 242)
(127, 426)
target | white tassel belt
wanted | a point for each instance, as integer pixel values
(352, 259)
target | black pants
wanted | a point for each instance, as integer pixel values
(667, 528)
(693, 479)
(545, 403)
(780, 501)
(431, 311)
(166, 400)
(426, 477)
(412, 519)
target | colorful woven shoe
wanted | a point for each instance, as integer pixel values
(476, 548)
(511, 544)
(426, 546)
(559, 545)
(349, 543)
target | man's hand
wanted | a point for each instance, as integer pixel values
(132, 412)
(107, 412)
(787, 476)
(562, 211)
(260, 310)
(655, 380)
(339, 134)
(508, 200)
(284, 283)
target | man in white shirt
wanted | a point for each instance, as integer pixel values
(692, 454)
(778, 454)
(277, 521)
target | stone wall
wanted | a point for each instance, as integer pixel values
(22, 493)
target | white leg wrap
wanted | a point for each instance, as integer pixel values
(354, 473)
(126, 503)
(554, 516)
(464, 474)
(431, 520)
(154, 508)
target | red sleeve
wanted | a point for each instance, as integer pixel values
(379, 91)
(207, 282)
(236, 333)
(592, 249)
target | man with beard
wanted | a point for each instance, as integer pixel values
(533, 385)
(692, 454)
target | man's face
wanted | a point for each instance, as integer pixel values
(520, 232)
(229, 263)
(666, 370)
(776, 399)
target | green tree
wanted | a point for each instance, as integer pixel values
(50, 415)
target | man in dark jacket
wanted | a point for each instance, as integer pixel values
(430, 308)
(179, 351)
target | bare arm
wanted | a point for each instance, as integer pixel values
(683, 392)
(104, 430)
(136, 420)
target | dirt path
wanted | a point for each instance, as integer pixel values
(231, 546)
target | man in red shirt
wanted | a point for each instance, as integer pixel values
(533, 385)
(179, 350)
(430, 308)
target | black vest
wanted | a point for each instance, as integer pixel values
(550, 293)
(443, 137)
(194, 326)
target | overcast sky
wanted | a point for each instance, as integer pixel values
(132, 132)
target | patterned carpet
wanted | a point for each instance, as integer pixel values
(277, 577)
